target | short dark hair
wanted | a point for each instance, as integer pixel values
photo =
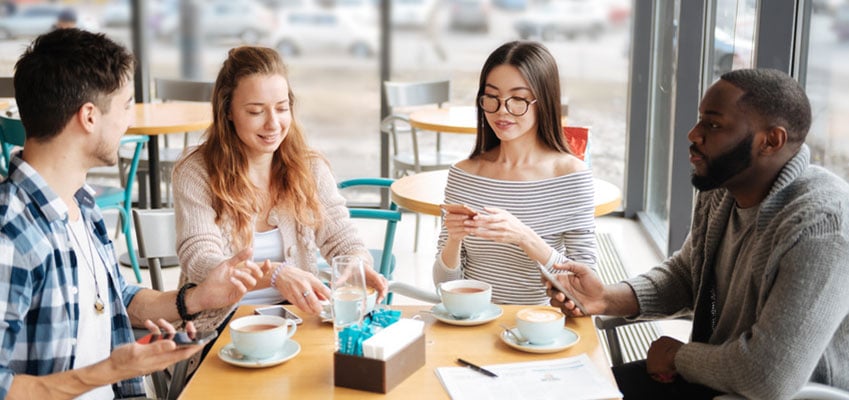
(538, 67)
(61, 71)
(776, 97)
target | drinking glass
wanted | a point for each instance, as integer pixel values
(348, 287)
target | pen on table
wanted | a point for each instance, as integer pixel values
(477, 368)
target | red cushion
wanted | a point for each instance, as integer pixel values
(577, 138)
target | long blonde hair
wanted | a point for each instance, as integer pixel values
(293, 185)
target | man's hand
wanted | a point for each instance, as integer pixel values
(660, 362)
(227, 283)
(583, 283)
(136, 359)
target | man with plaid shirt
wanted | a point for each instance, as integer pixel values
(66, 310)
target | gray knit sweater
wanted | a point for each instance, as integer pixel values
(202, 244)
(791, 322)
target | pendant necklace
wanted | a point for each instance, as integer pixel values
(89, 261)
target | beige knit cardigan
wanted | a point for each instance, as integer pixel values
(202, 244)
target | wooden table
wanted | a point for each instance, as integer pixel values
(310, 374)
(458, 119)
(425, 191)
(155, 119)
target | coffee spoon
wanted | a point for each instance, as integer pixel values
(519, 339)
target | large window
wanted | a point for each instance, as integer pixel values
(827, 84)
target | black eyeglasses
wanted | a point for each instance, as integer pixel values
(516, 106)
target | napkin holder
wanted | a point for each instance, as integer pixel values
(375, 375)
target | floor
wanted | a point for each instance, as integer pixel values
(415, 267)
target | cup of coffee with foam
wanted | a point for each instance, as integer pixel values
(540, 325)
(261, 336)
(465, 298)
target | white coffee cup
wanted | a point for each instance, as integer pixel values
(540, 325)
(371, 299)
(261, 336)
(465, 298)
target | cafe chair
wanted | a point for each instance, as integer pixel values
(12, 135)
(578, 140)
(810, 391)
(402, 96)
(169, 90)
(121, 198)
(156, 232)
(383, 257)
(7, 86)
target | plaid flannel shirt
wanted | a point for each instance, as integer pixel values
(39, 299)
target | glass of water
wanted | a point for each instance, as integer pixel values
(348, 286)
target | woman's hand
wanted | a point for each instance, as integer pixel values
(377, 281)
(455, 225)
(499, 226)
(301, 288)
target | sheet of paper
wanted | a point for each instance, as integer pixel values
(565, 378)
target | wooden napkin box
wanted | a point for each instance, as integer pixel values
(378, 376)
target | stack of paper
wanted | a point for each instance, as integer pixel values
(565, 378)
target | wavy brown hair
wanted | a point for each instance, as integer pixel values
(234, 195)
(539, 68)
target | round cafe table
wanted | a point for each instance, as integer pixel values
(425, 191)
(457, 119)
(154, 119)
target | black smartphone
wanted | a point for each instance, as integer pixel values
(279, 311)
(180, 338)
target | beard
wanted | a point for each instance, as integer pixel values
(725, 166)
(106, 154)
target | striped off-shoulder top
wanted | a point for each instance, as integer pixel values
(560, 210)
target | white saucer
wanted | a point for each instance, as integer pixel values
(290, 350)
(564, 341)
(490, 314)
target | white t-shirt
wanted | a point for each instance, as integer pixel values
(267, 246)
(94, 334)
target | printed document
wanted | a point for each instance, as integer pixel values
(565, 378)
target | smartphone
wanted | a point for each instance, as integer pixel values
(279, 311)
(180, 338)
(556, 284)
(459, 209)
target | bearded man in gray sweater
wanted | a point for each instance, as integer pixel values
(765, 267)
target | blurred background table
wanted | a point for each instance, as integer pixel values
(155, 119)
(310, 374)
(424, 192)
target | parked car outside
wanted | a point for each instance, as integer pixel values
(323, 29)
(511, 5)
(728, 53)
(245, 20)
(840, 25)
(562, 18)
(37, 19)
(471, 15)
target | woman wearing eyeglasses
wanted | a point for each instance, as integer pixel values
(534, 198)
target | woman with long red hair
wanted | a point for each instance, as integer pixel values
(255, 183)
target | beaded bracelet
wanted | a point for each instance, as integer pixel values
(277, 272)
(181, 303)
